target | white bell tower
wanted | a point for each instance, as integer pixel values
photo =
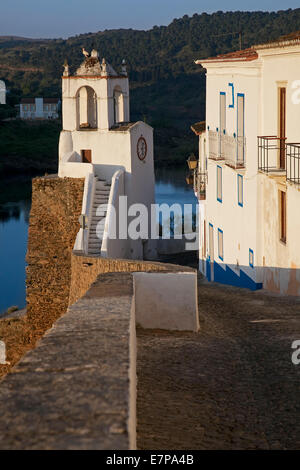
(96, 96)
(98, 139)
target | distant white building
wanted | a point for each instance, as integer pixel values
(39, 108)
(2, 92)
(248, 181)
(114, 156)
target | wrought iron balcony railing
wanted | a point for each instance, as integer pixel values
(293, 163)
(271, 153)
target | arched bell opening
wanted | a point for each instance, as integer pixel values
(118, 105)
(86, 108)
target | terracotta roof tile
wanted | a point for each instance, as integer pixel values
(51, 100)
(198, 127)
(286, 40)
(27, 101)
(243, 55)
(122, 127)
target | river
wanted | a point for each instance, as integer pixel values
(15, 201)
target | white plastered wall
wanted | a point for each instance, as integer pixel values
(228, 215)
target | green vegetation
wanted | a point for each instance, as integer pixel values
(167, 88)
(28, 147)
(7, 112)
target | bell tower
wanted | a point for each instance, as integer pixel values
(96, 97)
(99, 143)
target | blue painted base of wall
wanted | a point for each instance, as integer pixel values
(229, 277)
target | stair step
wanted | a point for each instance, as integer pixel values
(96, 236)
(96, 221)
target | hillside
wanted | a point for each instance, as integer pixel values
(167, 88)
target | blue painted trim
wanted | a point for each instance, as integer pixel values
(219, 199)
(229, 277)
(232, 94)
(241, 204)
(251, 253)
(220, 232)
(237, 119)
(224, 94)
(208, 273)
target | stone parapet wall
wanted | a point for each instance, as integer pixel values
(76, 389)
(53, 226)
(86, 269)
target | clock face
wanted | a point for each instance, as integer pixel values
(142, 148)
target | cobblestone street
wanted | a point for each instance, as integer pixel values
(230, 386)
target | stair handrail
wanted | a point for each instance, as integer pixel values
(81, 243)
(116, 190)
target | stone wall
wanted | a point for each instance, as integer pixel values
(76, 389)
(57, 276)
(53, 225)
(85, 271)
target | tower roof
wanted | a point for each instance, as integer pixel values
(92, 66)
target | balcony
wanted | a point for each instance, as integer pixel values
(271, 154)
(232, 149)
(293, 163)
(215, 145)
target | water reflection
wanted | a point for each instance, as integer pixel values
(14, 217)
(171, 187)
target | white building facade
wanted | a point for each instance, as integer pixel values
(39, 108)
(115, 156)
(249, 162)
(2, 92)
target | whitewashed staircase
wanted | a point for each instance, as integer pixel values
(96, 225)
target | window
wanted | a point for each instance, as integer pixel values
(241, 129)
(220, 244)
(219, 183)
(251, 258)
(232, 95)
(222, 112)
(282, 206)
(240, 190)
(86, 156)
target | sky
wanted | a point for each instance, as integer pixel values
(65, 18)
